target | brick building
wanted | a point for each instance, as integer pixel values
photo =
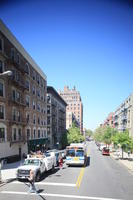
(23, 119)
(74, 105)
(56, 117)
(123, 115)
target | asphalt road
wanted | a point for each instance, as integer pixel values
(102, 179)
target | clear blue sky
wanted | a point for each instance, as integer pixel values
(82, 43)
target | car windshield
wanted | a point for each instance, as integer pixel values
(79, 153)
(71, 152)
(32, 162)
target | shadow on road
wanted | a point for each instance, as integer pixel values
(87, 161)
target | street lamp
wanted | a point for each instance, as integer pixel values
(8, 73)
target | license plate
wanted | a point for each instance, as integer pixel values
(76, 159)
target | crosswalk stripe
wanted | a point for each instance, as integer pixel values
(49, 183)
(58, 195)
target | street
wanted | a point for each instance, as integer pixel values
(103, 178)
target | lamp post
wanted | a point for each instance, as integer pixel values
(6, 73)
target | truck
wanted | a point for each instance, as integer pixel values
(38, 163)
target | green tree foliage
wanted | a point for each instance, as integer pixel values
(104, 134)
(88, 133)
(124, 140)
(64, 141)
(74, 135)
(98, 134)
(108, 134)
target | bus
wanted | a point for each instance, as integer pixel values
(76, 154)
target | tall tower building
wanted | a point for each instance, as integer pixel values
(74, 106)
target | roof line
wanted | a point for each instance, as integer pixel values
(20, 48)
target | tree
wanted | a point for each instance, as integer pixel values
(74, 135)
(108, 133)
(124, 140)
(88, 133)
(98, 134)
(64, 141)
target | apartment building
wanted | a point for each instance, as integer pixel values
(56, 117)
(74, 105)
(23, 105)
(70, 118)
(123, 116)
(109, 120)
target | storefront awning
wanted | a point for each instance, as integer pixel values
(35, 142)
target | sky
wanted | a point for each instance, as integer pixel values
(83, 43)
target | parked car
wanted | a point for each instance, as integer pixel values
(105, 151)
(101, 147)
(39, 163)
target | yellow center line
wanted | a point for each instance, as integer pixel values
(80, 177)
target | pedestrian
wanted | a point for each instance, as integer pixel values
(60, 161)
(128, 154)
(32, 182)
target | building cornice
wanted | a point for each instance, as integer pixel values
(20, 48)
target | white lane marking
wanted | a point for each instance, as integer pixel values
(59, 195)
(49, 183)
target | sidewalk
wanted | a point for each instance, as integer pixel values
(8, 172)
(126, 161)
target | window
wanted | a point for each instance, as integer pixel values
(27, 101)
(27, 70)
(48, 120)
(1, 112)
(42, 122)
(18, 116)
(1, 67)
(39, 120)
(45, 134)
(48, 130)
(48, 99)
(18, 58)
(38, 79)
(27, 85)
(17, 76)
(33, 90)
(42, 134)
(28, 133)
(34, 105)
(1, 89)
(33, 75)
(34, 119)
(2, 134)
(13, 95)
(38, 107)
(27, 117)
(12, 54)
(14, 134)
(42, 96)
(18, 96)
(34, 133)
(14, 114)
(48, 109)
(41, 82)
(1, 44)
(38, 133)
(38, 93)
(19, 134)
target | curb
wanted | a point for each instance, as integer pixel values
(7, 181)
(122, 163)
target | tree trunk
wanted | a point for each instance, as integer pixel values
(122, 153)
